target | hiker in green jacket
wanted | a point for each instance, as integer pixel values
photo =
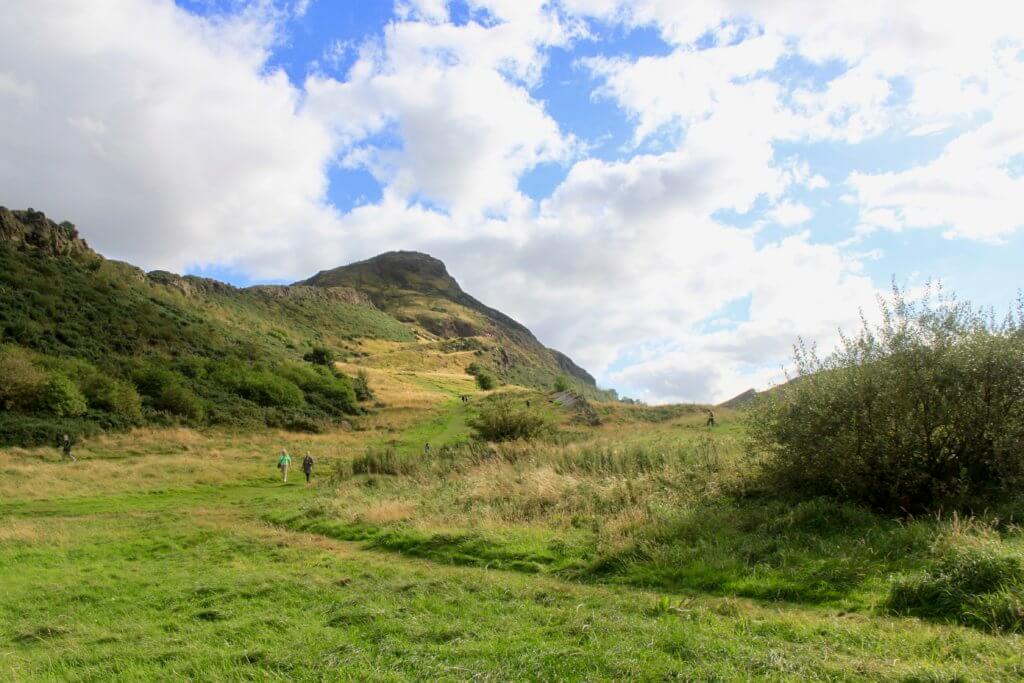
(282, 463)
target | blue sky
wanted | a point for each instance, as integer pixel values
(669, 192)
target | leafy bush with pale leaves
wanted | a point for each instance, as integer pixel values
(924, 409)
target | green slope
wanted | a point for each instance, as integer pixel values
(418, 289)
(91, 344)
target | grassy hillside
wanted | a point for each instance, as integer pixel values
(93, 344)
(417, 289)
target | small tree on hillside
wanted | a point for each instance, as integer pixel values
(562, 383)
(319, 355)
(924, 410)
(505, 420)
(361, 385)
(485, 380)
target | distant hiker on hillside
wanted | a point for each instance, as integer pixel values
(711, 419)
(426, 449)
(307, 467)
(65, 446)
(527, 403)
(282, 464)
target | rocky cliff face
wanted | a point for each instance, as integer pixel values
(33, 230)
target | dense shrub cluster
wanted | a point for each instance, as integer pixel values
(485, 379)
(925, 409)
(89, 344)
(505, 420)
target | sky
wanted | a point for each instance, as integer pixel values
(670, 192)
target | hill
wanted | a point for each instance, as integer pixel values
(417, 289)
(91, 344)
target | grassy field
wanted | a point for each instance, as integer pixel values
(633, 550)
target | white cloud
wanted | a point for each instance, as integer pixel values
(456, 97)
(173, 142)
(157, 132)
(968, 191)
(791, 213)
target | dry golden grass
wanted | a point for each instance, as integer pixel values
(386, 512)
(34, 531)
(399, 388)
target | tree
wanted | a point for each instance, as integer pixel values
(319, 355)
(486, 380)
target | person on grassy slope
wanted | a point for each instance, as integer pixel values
(307, 467)
(65, 446)
(426, 449)
(282, 464)
(711, 419)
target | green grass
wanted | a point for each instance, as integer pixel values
(628, 553)
(193, 586)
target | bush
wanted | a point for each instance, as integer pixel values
(113, 396)
(258, 385)
(182, 401)
(562, 383)
(23, 383)
(486, 381)
(361, 385)
(924, 410)
(319, 355)
(61, 397)
(325, 389)
(152, 379)
(33, 430)
(504, 420)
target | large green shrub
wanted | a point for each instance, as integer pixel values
(259, 385)
(323, 387)
(319, 355)
(113, 396)
(182, 401)
(925, 409)
(62, 398)
(486, 381)
(505, 420)
(21, 382)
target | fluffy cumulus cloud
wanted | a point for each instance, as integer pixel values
(173, 140)
(159, 132)
(457, 98)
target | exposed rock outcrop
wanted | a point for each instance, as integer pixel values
(32, 229)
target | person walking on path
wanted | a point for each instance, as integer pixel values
(307, 467)
(282, 463)
(65, 446)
